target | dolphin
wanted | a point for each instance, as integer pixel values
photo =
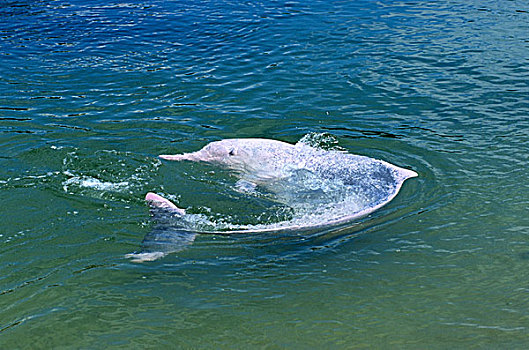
(322, 187)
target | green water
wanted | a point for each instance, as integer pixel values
(91, 93)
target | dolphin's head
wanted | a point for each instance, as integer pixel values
(230, 153)
(223, 152)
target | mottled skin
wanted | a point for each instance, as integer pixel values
(263, 160)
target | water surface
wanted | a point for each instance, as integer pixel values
(91, 92)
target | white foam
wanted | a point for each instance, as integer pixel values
(143, 257)
(96, 184)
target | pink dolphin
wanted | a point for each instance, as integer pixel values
(265, 162)
(323, 188)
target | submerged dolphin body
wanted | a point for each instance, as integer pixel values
(322, 187)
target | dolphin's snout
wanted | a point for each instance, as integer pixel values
(186, 156)
(172, 156)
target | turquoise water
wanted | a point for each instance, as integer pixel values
(91, 92)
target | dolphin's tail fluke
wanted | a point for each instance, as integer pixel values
(167, 235)
(407, 173)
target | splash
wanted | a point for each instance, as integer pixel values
(106, 174)
(93, 183)
(322, 141)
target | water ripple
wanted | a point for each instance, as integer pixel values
(92, 92)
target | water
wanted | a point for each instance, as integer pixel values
(91, 92)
